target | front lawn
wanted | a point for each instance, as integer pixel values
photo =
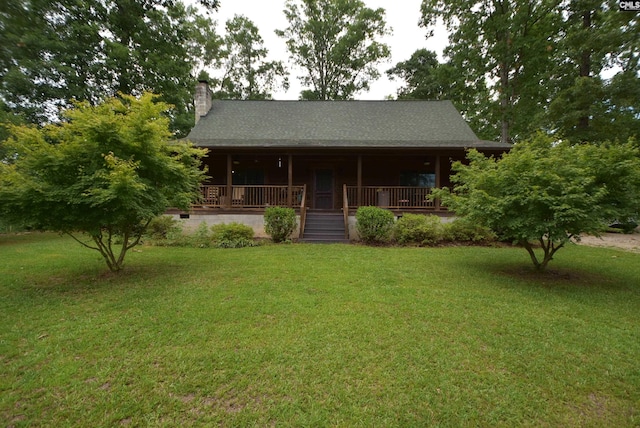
(317, 335)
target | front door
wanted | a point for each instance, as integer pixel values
(323, 195)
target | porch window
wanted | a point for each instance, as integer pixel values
(418, 179)
(248, 177)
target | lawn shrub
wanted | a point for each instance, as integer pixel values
(280, 223)
(232, 235)
(201, 237)
(164, 227)
(463, 230)
(374, 225)
(418, 229)
(6, 227)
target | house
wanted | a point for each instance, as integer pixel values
(326, 156)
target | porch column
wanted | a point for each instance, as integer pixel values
(438, 182)
(290, 182)
(359, 181)
(229, 181)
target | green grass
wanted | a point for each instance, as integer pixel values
(317, 335)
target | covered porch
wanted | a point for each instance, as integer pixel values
(338, 180)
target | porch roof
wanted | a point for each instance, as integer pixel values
(336, 124)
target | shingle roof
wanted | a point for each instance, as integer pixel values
(336, 124)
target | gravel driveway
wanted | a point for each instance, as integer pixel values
(629, 242)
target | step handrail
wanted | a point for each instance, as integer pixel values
(303, 211)
(345, 210)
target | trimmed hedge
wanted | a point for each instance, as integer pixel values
(280, 223)
(374, 225)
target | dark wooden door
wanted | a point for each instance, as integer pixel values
(323, 189)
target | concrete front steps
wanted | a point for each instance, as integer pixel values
(324, 227)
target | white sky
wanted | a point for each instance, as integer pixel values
(401, 15)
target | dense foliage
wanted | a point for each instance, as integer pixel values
(106, 171)
(163, 227)
(544, 193)
(280, 223)
(462, 230)
(54, 52)
(418, 229)
(232, 235)
(568, 66)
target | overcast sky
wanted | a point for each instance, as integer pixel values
(401, 15)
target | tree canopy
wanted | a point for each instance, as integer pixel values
(54, 52)
(421, 76)
(247, 75)
(104, 171)
(544, 193)
(335, 44)
(544, 64)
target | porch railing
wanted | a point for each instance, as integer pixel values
(218, 196)
(394, 197)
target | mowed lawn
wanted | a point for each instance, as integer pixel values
(317, 335)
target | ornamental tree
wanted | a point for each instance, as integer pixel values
(104, 172)
(544, 193)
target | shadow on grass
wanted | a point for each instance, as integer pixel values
(570, 281)
(95, 277)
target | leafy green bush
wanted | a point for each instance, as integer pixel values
(374, 225)
(279, 223)
(232, 235)
(201, 238)
(418, 229)
(6, 227)
(463, 230)
(163, 227)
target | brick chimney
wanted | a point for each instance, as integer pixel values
(202, 99)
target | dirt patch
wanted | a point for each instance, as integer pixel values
(627, 242)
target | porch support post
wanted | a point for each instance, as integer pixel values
(438, 181)
(359, 180)
(229, 180)
(290, 181)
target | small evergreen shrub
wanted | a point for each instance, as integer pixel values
(279, 223)
(232, 235)
(163, 227)
(462, 230)
(418, 229)
(374, 225)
